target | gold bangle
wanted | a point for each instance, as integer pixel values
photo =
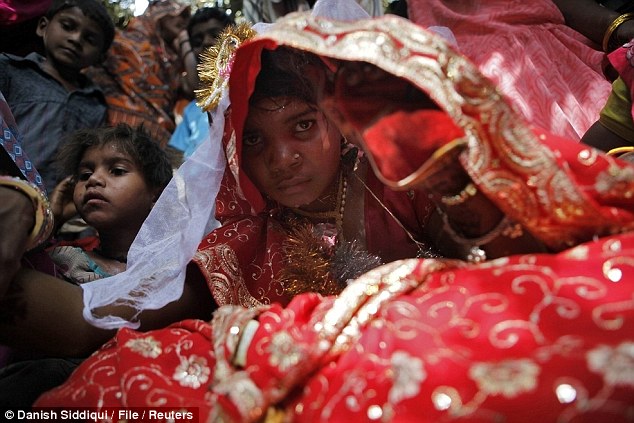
(453, 200)
(505, 227)
(43, 226)
(620, 150)
(612, 29)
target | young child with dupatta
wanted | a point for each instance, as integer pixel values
(423, 339)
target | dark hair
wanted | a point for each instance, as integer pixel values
(94, 10)
(135, 142)
(283, 74)
(208, 13)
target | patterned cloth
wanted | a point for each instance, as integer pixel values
(550, 73)
(13, 158)
(545, 337)
(141, 74)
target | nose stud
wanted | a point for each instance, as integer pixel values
(296, 156)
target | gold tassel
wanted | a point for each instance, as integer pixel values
(308, 262)
(216, 62)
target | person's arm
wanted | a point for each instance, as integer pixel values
(189, 80)
(467, 224)
(593, 20)
(16, 221)
(44, 313)
(598, 136)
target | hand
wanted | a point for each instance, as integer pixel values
(16, 220)
(62, 203)
(181, 42)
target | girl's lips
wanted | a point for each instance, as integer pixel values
(94, 198)
(292, 186)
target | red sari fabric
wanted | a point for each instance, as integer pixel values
(551, 74)
(547, 337)
(529, 338)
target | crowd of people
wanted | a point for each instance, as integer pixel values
(358, 217)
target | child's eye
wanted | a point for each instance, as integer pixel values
(304, 125)
(251, 141)
(90, 40)
(83, 176)
(67, 25)
(117, 171)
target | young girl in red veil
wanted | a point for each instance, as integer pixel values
(545, 335)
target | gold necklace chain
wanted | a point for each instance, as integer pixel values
(337, 213)
(423, 249)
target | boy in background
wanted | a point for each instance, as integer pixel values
(49, 95)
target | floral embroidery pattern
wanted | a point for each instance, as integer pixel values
(192, 372)
(615, 364)
(147, 347)
(508, 378)
(409, 373)
(284, 351)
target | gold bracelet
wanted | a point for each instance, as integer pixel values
(453, 200)
(505, 227)
(617, 151)
(43, 226)
(612, 29)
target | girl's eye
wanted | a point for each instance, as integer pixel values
(251, 141)
(117, 171)
(304, 125)
(83, 176)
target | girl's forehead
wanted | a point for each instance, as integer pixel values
(108, 148)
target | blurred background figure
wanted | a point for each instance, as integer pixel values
(203, 29)
(144, 73)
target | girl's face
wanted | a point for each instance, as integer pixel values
(111, 192)
(290, 151)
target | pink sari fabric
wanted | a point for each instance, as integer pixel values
(550, 73)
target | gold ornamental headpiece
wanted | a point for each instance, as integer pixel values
(215, 66)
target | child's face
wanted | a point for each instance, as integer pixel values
(171, 26)
(204, 35)
(290, 151)
(111, 192)
(71, 39)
